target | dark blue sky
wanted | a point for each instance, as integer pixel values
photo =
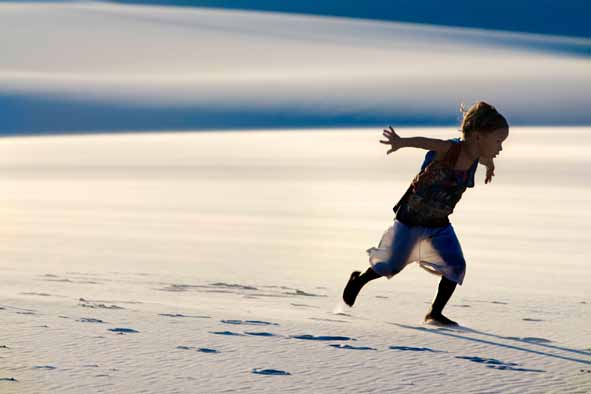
(558, 17)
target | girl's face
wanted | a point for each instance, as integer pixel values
(491, 144)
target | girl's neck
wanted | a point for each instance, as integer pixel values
(469, 151)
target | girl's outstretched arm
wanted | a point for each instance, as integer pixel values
(396, 142)
(490, 169)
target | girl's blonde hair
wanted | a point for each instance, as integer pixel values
(482, 117)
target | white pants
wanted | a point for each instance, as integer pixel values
(437, 250)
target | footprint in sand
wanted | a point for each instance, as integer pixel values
(207, 350)
(349, 347)
(48, 367)
(200, 349)
(89, 304)
(249, 322)
(228, 333)
(121, 330)
(497, 364)
(275, 372)
(89, 320)
(181, 315)
(530, 319)
(308, 337)
(414, 349)
(260, 334)
(8, 380)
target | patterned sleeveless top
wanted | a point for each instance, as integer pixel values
(435, 191)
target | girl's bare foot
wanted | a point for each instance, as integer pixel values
(439, 319)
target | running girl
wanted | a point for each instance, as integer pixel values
(421, 231)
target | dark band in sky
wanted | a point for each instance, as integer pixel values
(565, 17)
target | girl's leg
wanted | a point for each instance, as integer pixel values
(444, 292)
(356, 282)
(404, 239)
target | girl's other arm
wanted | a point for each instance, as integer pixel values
(396, 142)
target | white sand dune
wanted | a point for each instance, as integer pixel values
(79, 67)
(171, 263)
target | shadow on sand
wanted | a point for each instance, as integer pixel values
(458, 334)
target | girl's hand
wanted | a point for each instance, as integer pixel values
(393, 140)
(490, 172)
(490, 169)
